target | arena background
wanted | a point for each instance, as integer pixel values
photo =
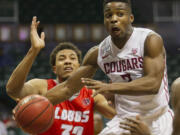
(78, 21)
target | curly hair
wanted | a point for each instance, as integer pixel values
(62, 46)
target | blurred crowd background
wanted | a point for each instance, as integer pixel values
(78, 21)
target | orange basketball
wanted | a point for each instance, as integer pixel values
(34, 114)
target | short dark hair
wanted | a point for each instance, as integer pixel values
(62, 46)
(128, 2)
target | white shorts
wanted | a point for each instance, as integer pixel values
(160, 126)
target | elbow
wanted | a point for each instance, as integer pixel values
(8, 90)
(156, 84)
(110, 116)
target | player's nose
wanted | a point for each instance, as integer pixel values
(68, 62)
(114, 19)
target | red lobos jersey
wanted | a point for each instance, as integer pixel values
(73, 116)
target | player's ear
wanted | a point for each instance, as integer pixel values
(132, 18)
(54, 69)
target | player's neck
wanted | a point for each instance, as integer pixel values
(120, 42)
(60, 80)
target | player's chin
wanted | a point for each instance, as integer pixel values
(67, 75)
(118, 36)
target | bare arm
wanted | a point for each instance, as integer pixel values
(175, 93)
(102, 106)
(16, 86)
(175, 101)
(73, 84)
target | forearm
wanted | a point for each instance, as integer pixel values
(141, 86)
(110, 113)
(58, 94)
(19, 75)
(71, 86)
(105, 110)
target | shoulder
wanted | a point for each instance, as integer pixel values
(93, 50)
(91, 56)
(176, 83)
(39, 85)
(37, 81)
(99, 99)
(141, 29)
(154, 44)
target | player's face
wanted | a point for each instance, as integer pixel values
(117, 19)
(66, 63)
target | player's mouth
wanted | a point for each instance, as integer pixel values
(68, 69)
(115, 30)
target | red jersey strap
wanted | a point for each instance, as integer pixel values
(51, 83)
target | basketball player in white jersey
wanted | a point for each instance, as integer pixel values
(175, 101)
(134, 59)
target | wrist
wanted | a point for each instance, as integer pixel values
(34, 50)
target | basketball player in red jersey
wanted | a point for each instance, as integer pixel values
(72, 116)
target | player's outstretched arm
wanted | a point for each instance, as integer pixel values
(73, 84)
(16, 87)
(101, 105)
(153, 66)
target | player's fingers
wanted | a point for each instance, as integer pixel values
(87, 79)
(37, 24)
(13, 113)
(133, 120)
(88, 83)
(94, 94)
(33, 21)
(42, 35)
(129, 128)
(129, 124)
(92, 87)
(138, 117)
(13, 117)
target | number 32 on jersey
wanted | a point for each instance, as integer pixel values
(77, 130)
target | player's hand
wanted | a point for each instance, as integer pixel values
(37, 43)
(15, 109)
(98, 86)
(135, 126)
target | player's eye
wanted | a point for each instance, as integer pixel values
(61, 58)
(108, 15)
(73, 58)
(120, 14)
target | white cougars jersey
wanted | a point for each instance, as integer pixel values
(126, 64)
